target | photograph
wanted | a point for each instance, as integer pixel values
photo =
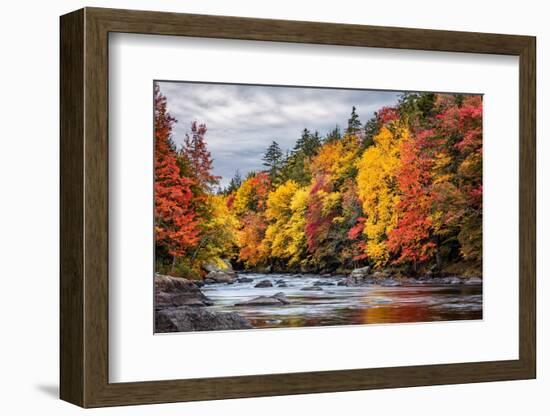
(289, 206)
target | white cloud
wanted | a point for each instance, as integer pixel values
(242, 120)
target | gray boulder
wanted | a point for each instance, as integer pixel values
(264, 283)
(277, 299)
(219, 272)
(221, 276)
(348, 281)
(176, 291)
(183, 319)
(322, 283)
(380, 275)
(245, 280)
(360, 273)
(224, 265)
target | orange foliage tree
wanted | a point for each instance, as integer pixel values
(176, 229)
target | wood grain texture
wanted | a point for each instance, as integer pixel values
(527, 207)
(71, 100)
(84, 207)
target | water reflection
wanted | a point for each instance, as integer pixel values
(338, 305)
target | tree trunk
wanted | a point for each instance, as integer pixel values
(173, 264)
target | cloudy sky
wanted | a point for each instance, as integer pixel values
(242, 120)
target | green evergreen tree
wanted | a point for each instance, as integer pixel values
(234, 183)
(308, 144)
(273, 160)
(417, 107)
(295, 165)
(372, 128)
(354, 124)
(334, 135)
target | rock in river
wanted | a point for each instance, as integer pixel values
(322, 283)
(245, 280)
(223, 265)
(184, 318)
(176, 291)
(473, 281)
(348, 281)
(264, 283)
(311, 288)
(360, 273)
(219, 276)
(275, 300)
(180, 306)
(219, 272)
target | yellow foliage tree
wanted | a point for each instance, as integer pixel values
(284, 236)
(376, 186)
(219, 233)
(248, 206)
(336, 159)
(297, 246)
(278, 213)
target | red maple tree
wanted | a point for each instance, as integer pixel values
(175, 226)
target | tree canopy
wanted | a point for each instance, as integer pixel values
(404, 190)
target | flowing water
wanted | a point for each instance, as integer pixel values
(340, 305)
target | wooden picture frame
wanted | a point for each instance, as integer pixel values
(84, 207)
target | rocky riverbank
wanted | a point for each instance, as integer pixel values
(365, 276)
(184, 305)
(180, 306)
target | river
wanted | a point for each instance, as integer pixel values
(341, 305)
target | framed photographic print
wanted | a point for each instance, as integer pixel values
(255, 207)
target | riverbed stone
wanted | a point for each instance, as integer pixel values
(177, 291)
(185, 318)
(264, 283)
(348, 281)
(223, 265)
(277, 299)
(360, 273)
(380, 275)
(245, 280)
(322, 283)
(219, 276)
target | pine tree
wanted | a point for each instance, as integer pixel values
(371, 129)
(234, 183)
(295, 165)
(273, 160)
(308, 144)
(354, 124)
(334, 135)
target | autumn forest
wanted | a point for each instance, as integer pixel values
(401, 190)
